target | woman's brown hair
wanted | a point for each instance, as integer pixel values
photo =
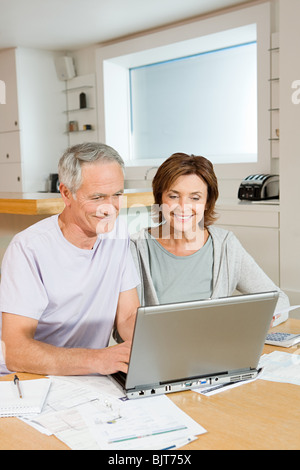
(180, 164)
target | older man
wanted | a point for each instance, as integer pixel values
(67, 280)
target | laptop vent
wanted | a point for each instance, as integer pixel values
(238, 378)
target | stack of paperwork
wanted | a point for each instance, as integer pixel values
(88, 413)
(281, 367)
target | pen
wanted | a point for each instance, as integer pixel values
(180, 443)
(17, 383)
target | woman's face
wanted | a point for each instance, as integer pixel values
(183, 205)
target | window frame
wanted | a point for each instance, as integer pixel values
(114, 61)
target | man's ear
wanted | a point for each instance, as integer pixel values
(65, 194)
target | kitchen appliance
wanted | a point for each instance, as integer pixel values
(54, 183)
(259, 188)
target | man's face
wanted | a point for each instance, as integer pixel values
(97, 203)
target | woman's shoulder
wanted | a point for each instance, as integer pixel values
(222, 237)
(139, 245)
(142, 234)
(219, 233)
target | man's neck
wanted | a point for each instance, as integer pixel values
(74, 234)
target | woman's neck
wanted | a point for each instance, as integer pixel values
(180, 244)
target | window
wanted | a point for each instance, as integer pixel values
(225, 55)
(204, 104)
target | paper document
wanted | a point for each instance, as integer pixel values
(282, 315)
(33, 396)
(87, 413)
(281, 367)
(147, 423)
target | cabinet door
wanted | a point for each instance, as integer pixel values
(263, 245)
(9, 111)
(10, 147)
(10, 177)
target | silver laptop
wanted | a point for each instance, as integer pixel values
(186, 345)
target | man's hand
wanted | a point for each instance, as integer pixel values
(114, 358)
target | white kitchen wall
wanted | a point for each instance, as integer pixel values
(289, 149)
(42, 122)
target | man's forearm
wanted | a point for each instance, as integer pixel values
(41, 358)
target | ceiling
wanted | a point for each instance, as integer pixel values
(73, 24)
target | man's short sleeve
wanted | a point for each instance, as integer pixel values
(130, 277)
(21, 289)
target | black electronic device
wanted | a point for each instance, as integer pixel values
(54, 183)
(259, 188)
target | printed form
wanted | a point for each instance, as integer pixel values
(88, 413)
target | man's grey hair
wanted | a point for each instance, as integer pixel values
(70, 164)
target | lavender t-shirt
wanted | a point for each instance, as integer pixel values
(73, 293)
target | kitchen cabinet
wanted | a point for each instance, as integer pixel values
(257, 226)
(11, 177)
(10, 147)
(9, 114)
(30, 140)
(10, 158)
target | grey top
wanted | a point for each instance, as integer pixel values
(181, 278)
(233, 269)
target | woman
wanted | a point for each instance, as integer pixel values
(185, 257)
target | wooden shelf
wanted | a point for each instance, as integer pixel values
(83, 87)
(80, 130)
(78, 110)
